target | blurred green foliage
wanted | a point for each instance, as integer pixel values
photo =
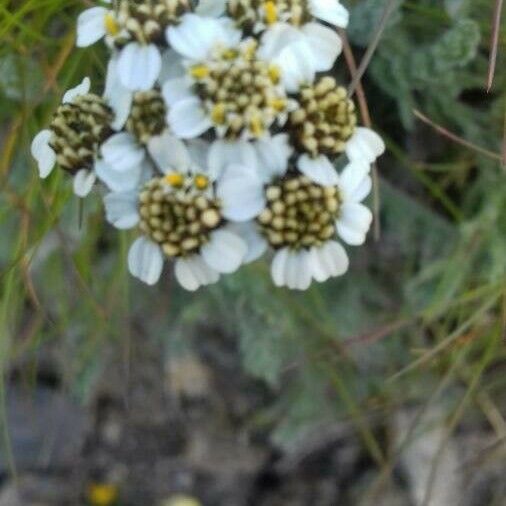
(414, 320)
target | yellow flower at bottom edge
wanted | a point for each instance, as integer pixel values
(181, 500)
(102, 494)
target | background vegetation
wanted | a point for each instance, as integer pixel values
(418, 324)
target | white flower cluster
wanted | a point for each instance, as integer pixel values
(216, 137)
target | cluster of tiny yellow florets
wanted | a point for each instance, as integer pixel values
(241, 92)
(178, 213)
(147, 115)
(78, 129)
(324, 120)
(144, 20)
(299, 213)
(252, 15)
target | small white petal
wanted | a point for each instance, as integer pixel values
(91, 26)
(248, 232)
(330, 11)
(122, 152)
(172, 66)
(297, 270)
(278, 267)
(223, 153)
(83, 182)
(192, 272)
(121, 209)
(274, 40)
(195, 36)
(241, 193)
(169, 153)
(297, 67)
(145, 260)
(363, 190)
(119, 181)
(329, 260)
(43, 153)
(199, 155)
(225, 251)
(354, 223)
(273, 154)
(365, 145)
(117, 96)
(79, 90)
(325, 45)
(139, 66)
(177, 89)
(211, 8)
(320, 170)
(188, 119)
(352, 179)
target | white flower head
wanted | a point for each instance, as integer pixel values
(284, 20)
(254, 15)
(298, 215)
(226, 84)
(72, 140)
(135, 31)
(179, 218)
(324, 126)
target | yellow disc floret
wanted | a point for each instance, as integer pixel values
(174, 179)
(111, 25)
(271, 12)
(179, 218)
(299, 213)
(241, 93)
(201, 182)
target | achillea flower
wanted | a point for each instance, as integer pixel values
(299, 217)
(79, 126)
(218, 136)
(235, 87)
(179, 218)
(293, 19)
(135, 29)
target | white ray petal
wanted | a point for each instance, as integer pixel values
(256, 243)
(319, 170)
(119, 181)
(241, 193)
(325, 45)
(192, 272)
(176, 89)
(91, 26)
(330, 11)
(225, 251)
(351, 180)
(188, 119)
(117, 96)
(121, 209)
(223, 153)
(196, 36)
(83, 182)
(122, 152)
(365, 145)
(145, 260)
(81, 89)
(139, 66)
(328, 260)
(43, 153)
(169, 153)
(273, 154)
(354, 223)
(278, 267)
(297, 270)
